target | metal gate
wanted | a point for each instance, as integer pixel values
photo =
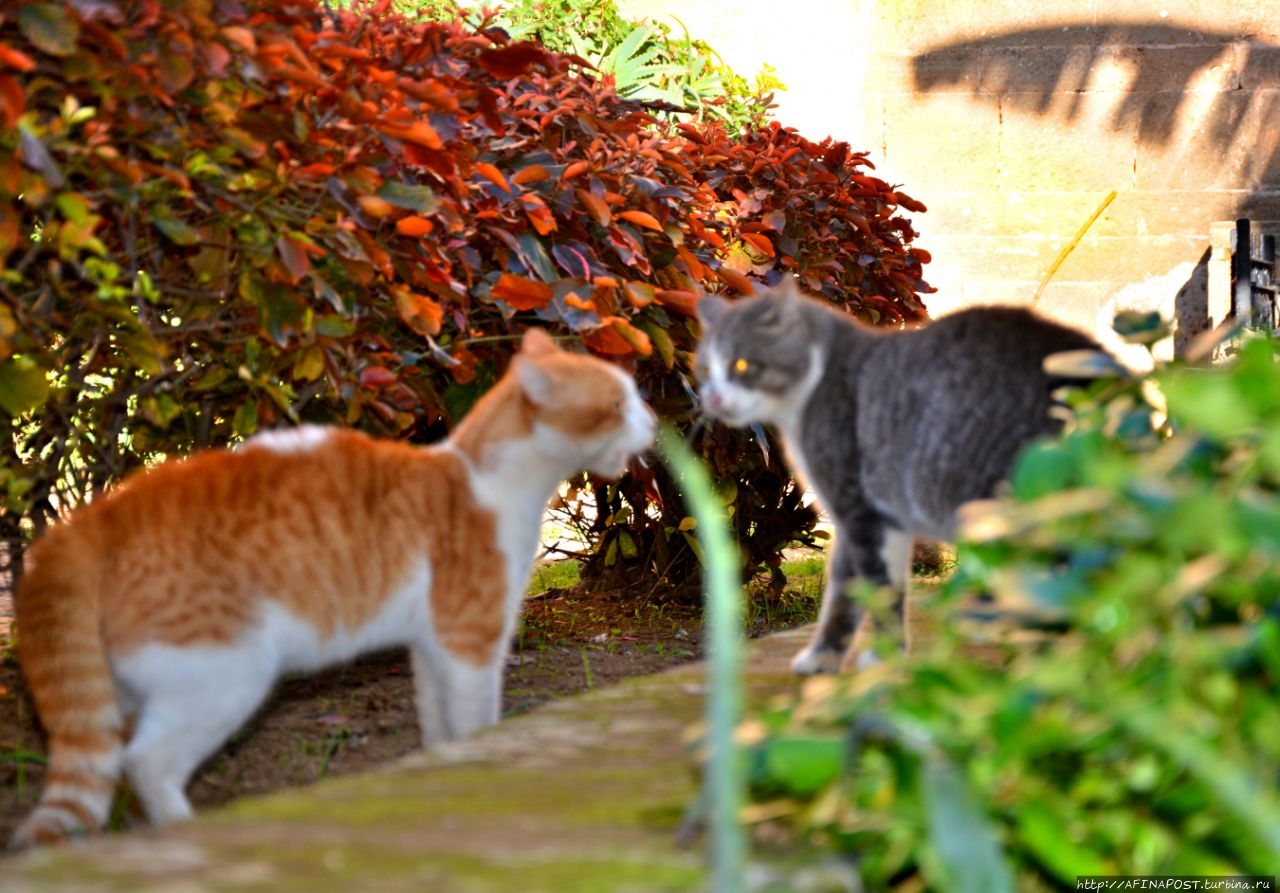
(1254, 278)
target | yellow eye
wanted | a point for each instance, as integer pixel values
(740, 365)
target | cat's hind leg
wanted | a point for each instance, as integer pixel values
(455, 698)
(895, 556)
(189, 701)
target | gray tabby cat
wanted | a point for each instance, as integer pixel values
(893, 430)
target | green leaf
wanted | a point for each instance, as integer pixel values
(335, 327)
(1045, 833)
(1208, 401)
(49, 27)
(23, 386)
(1043, 468)
(177, 231)
(960, 834)
(143, 349)
(73, 206)
(281, 311)
(804, 765)
(663, 347)
(405, 195)
(627, 545)
(159, 409)
(245, 422)
(310, 364)
(1139, 327)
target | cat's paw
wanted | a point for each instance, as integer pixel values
(816, 659)
(865, 660)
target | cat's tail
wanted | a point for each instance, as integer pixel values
(64, 662)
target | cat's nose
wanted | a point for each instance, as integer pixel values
(711, 398)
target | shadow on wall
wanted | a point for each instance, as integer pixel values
(1208, 102)
(1051, 71)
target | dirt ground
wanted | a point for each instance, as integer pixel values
(362, 716)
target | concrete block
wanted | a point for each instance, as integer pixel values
(1037, 155)
(939, 142)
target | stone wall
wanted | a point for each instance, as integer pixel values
(1013, 121)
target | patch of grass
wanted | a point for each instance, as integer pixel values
(807, 574)
(796, 604)
(21, 758)
(549, 575)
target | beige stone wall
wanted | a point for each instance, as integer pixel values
(1013, 120)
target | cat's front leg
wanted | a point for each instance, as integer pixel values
(869, 548)
(838, 618)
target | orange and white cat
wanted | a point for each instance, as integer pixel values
(154, 621)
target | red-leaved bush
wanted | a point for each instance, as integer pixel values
(218, 217)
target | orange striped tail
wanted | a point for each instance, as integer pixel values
(64, 661)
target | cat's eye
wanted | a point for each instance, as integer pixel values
(741, 365)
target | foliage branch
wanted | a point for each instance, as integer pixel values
(216, 219)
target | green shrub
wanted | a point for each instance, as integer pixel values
(1141, 739)
(677, 75)
(216, 220)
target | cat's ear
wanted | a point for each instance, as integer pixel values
(710, 309)
(537, 343)
(784, 302)
(535, 381)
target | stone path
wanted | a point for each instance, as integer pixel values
(581, 795)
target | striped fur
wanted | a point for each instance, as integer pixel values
(154, 621)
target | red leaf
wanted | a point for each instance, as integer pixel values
(759, 243)
(16, 59)
(420, 132)
(617, 337)
(493, 175)
(539, 215)
(640, 294)
(318, 169)
(294, 254)
(573, 170)
(414, 226)
(465, 370)
(216, 58)
(679, 300)
(377, 377)
(642, 218)
(531, 174)
(338, 51)
(515, 59)
(13, 101)
(432, 92)
(520, 293)
(420, 313)
(736, 280)
(572, 300)
(596, 207)
(241, 37)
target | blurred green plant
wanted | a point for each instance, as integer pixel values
(649, 61)
(1134, 727)
(722, 585)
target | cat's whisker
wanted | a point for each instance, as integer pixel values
(700, 423)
